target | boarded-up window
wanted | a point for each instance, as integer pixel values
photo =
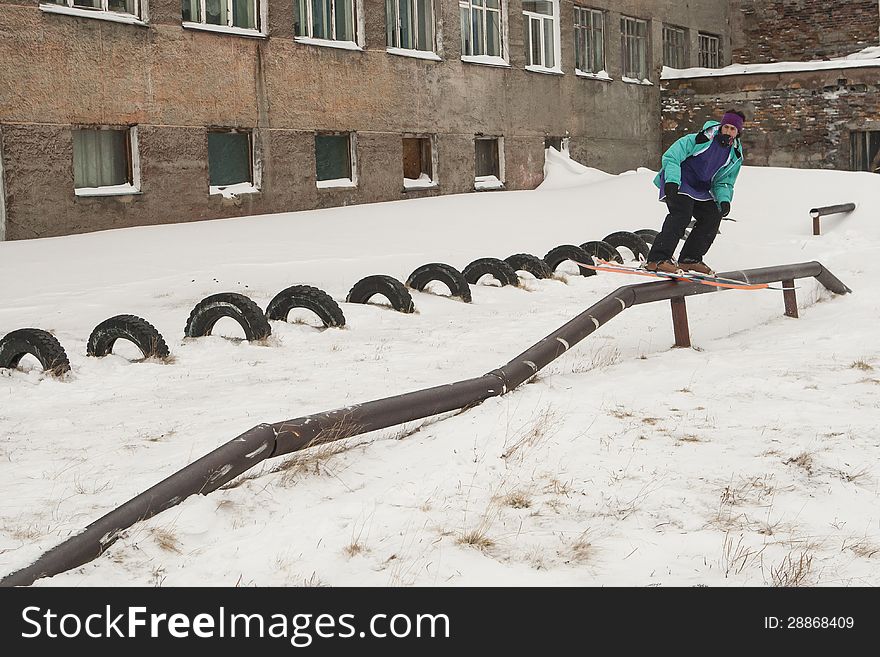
(230, 158)
(486, 162)
(865, 150)
(417, 158)
(101, 158)
(333, 156)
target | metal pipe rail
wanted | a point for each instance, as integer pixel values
(815, 213)
(264, 441)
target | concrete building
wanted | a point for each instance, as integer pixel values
(822, 113)
(117, 113)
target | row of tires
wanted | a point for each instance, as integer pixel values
(255, 323)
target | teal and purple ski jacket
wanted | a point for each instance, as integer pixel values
(721, 181)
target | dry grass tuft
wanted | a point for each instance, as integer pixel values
(581, 550)
(476, 538)
(166, 539)
(545, 425)
(862, 364)
(803, 460)
(861, 547)
(735, 556)
(516, 500)
(793, 571)
(354, 548)
(602, 356)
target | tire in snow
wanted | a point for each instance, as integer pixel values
(500, 270)
(602, 250)
(128, 327)
(210, 310)
(305, 296)
(647, 234)
(38, 343)
(529, 263)
(628, 240)
(446, 274)
(560, 254)
(388, 286)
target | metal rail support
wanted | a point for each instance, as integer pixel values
(790, 298)
(680, 322)
(815, 213)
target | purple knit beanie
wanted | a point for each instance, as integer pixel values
(733, 119)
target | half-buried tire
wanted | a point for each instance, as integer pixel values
(210, 310)
(308, 297)
(38, 343)
(446, 274)
(602, 250)
(647, 234)
(388, 286)
(576, 254)
(500, 270)
(529, 263)
(631, 241)
(128, 327)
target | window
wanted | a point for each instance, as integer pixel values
(227, 13)
(409, 24)
(674, 50)
(105, 161)
(488, 163)
(540, 33)
(865, 151)
(418, 162)
(231, 162)
(333, 20)
(559, 143)
(334, 160)
(589, 40)
(480, 27)
(710, 51)
(128, 7)
(634, 48)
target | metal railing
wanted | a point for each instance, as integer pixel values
(815, 213)
(270, 440)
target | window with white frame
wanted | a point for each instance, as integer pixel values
(418, 162)
(480, 27)
(335, 159)
(589, 40)
(231, 161)
(334, 20)
(541, 32)
(634, 47)
(105, 161)
(674, 47)
(409, 24)
(488, 162)
(127, 7)
(243, 14)
(710, 51)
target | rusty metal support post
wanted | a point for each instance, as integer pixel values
(790, 298)
(815, 224)
(680, 322)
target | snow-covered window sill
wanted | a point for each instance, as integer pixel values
(485, 60)
(487, 182)
(233, 191)
(541, 69)
(336, 182)
(110, 190)
(328, 43)
(224, 29)
(112, 16)
(420, 183)
(601, 75)
(417, 54)
(646, 82)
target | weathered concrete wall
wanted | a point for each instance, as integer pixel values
(802, 30)
(793, 119)
(60, 72)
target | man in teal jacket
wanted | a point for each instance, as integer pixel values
(696, 180)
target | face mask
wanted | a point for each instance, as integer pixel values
(723, 140)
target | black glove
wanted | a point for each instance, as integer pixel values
(670, 189)
(725, 208)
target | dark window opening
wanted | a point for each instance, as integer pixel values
(417, 158)
(230, 158)
(487, 161)
(555, 142)
(333, 156)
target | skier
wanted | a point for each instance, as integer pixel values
(696, 180)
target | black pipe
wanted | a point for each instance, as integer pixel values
(832, 209)
(264, 441)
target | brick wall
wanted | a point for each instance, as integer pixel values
(801, 120)
(801, 30)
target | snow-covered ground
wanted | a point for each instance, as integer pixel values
(749, 460)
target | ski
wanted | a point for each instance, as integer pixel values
(713, 281)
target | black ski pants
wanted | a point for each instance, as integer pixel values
(681, 209)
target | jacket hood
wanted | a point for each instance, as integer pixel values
(712, 123)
